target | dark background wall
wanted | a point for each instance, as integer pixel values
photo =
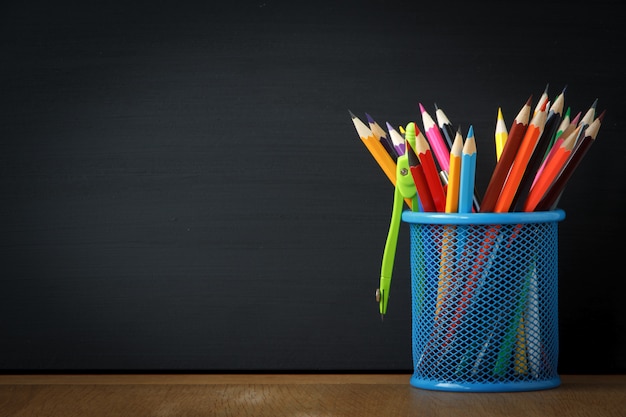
(182, 188)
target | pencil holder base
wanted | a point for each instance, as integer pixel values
(491, 387)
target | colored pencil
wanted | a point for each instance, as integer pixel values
(396, 139)
(561, 136)
(552, 196)
(565, 122)
(417, 171)
(501, 134)
(383, 138)
(375, 148)
(589, 115)
(533, 132)
(551, 170)
(454, 176)
(543, 98)
(553, 118)
(421, 185)
(449, 134)
(468, 173)
(437, 144)
(445, 126)
(424, 153)
(503, 165)
(586, 120)
(470, 286)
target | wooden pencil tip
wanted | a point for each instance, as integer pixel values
(422, 109)
(351, 114)
(436, 107)
(601, 115)
(370, 119)
(595, 104)
(529, 101)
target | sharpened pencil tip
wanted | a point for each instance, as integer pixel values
(529, 101)
(351, 114)
(422, 109)
(601, 115)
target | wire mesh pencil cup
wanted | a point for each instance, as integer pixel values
(484, 300)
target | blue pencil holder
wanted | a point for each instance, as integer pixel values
(484, 300)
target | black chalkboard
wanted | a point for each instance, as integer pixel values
(183, 189)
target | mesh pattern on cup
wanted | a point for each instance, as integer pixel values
(484, 302)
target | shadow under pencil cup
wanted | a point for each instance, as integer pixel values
(484, 300)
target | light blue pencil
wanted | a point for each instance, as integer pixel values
(468, 173)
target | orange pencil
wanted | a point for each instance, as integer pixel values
(377, 150)
(553, 118)
(550, 171)
(533, 132)
(422, 149)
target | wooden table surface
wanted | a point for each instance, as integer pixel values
(294, 395)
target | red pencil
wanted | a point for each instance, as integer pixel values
(516, 134)
(550, 171)
(421, 185)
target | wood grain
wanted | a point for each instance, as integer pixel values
(293, 395)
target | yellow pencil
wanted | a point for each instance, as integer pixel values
(501, 134)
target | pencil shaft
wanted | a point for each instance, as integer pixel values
(514, 139)
(376, 149)
(551, 197)
(437, 144)
(468, 174)
(509, 190)
(547, 176)
(452, 194)
(553, 119)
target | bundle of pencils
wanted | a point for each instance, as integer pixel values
(536, 157)
(433, 169)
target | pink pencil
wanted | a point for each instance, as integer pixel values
(437, 144)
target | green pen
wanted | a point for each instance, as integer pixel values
(405, 188)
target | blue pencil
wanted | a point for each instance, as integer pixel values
(468, 173)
